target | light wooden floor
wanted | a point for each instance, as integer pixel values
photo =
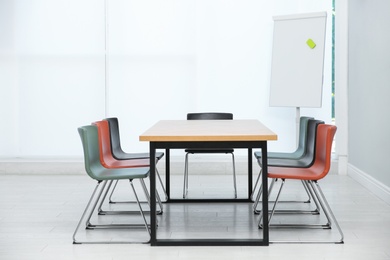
(39, 214)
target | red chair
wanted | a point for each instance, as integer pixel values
(108, 161)
(311, 175)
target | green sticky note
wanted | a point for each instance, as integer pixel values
(311, 43)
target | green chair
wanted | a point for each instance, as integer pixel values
(95, 170)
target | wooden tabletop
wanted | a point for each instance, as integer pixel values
(208, 130)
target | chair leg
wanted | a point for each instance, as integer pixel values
(315, 195)
(148, 197)
(85, 212)
(257, 181)
(104, 197)
(185, 185)
(112, 192)
(88, 223)
(116, 182)
(234, 177)
(314, 186)
(140, 208)
(96, 196)
(273, 208)
(113, 212)
(117, 212)
(308, 191)
(259, 195)
(329, 210)
(162, 185)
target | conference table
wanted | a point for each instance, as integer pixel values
(182, 134)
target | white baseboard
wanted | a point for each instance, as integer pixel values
(40, 165)
(373, 185)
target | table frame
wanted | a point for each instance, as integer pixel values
(167, 145)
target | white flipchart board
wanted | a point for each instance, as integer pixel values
(297, 65)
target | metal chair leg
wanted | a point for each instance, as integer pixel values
(259, 195)
(185, 185)
(315, 211)
(117, 212)
(234, 177)
(329, 210)
(274, 206)
(162, 185)
(159, 212)
(88, 223)
(321, 202)
(113, 226)
(140, 208)
(257, 181)
(314, 186)
(84, 212)
(116, 182)
(112, 192)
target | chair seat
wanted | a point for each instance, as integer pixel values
(132, 156)
(134, 163)
(102, 174)
(280, 155)
(307, 174)
(301, 163)
(209, 150)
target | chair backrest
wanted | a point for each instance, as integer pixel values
(116, 147)
(89, 140)
(302, 138)
(209, 116)
(324, 141)
(309, 156)
(106, 158)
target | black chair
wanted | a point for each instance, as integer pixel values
(208, 116)
(119, 154)
(297, 154)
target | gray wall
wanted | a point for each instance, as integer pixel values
(369, 88)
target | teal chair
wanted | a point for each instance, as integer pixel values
(297, 154)
(95, 170)
(302, 143)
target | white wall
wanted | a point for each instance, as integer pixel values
(368, 117)
(165, 58)
(52, 60)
